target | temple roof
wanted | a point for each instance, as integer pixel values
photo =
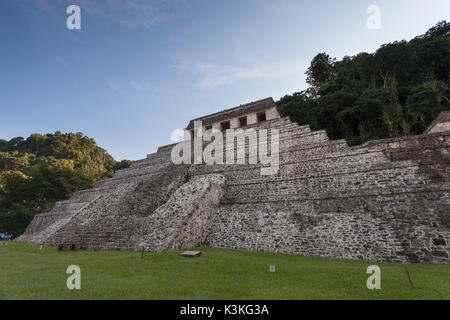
(254, 106)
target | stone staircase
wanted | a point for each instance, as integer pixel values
(107, 216)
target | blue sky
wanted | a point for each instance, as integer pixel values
(139, 69)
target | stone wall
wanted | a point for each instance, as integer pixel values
(386, 200)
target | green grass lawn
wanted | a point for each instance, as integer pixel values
(27, 273)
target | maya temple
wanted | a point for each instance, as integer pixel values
(385, 200)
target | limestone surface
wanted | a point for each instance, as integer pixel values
(386, 200)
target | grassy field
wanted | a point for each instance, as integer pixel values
(28, 273)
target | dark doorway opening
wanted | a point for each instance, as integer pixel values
(261, 116)
(225, 125)
(243, 121)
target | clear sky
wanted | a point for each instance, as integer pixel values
(139, 69)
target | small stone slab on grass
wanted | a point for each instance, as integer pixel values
(191, 254)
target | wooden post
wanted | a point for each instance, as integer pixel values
(409, 277)
(142, 245)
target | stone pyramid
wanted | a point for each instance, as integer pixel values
(385, 200)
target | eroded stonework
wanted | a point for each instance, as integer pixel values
(386, 200)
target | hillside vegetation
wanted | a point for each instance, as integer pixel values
(42, 169)
(396, 91)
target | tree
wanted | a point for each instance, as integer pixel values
(15, 219)
(320, 70)
(425, 102)
(38, 171)
(397, 90)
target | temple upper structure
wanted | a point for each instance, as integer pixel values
(237, 117)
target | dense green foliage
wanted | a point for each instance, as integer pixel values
(229, 274)
(42, 169)
(396, 91)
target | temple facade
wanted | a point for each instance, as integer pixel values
(238, 117)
